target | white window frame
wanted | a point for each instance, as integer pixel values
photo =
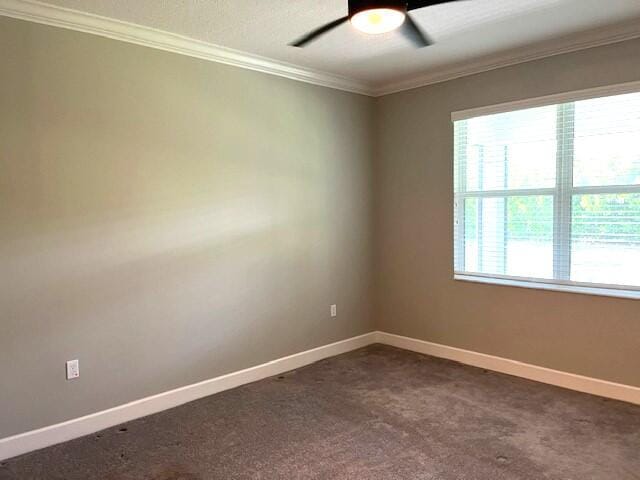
(563, 190)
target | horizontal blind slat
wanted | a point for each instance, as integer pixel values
(508, 199)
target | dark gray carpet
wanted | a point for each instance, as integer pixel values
(377, 413)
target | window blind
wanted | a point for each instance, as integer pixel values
(550, 194)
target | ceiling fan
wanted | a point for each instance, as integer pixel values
(379, 16)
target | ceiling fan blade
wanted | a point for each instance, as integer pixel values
(414, 33)
(415, 4)
(314, 34)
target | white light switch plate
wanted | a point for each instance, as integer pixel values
(73, 369)
(334, 310)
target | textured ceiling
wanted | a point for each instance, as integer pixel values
(464, 31)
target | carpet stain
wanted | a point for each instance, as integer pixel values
(378, 413)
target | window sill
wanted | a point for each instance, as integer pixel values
(556, 287)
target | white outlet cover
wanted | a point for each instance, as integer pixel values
(334, 310)
(73, 369)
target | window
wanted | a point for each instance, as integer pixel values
(549, 195)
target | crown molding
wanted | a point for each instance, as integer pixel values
(56, 16)
(34, 11)
(567, 44)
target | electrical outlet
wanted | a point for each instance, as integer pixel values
(334, 310)
(73, 369)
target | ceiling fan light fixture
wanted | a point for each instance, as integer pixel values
(378, 20)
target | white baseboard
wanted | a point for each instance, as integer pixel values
(571, 381)
(78, 427)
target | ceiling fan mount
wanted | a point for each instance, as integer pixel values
(379, 16)
(357, 6)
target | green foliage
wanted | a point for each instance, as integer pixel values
(530, 218)
(611, 218)
(614, 217)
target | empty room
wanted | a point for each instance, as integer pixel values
(301, 239)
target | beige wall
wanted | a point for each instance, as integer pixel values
(416, 295)
(167, 220)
